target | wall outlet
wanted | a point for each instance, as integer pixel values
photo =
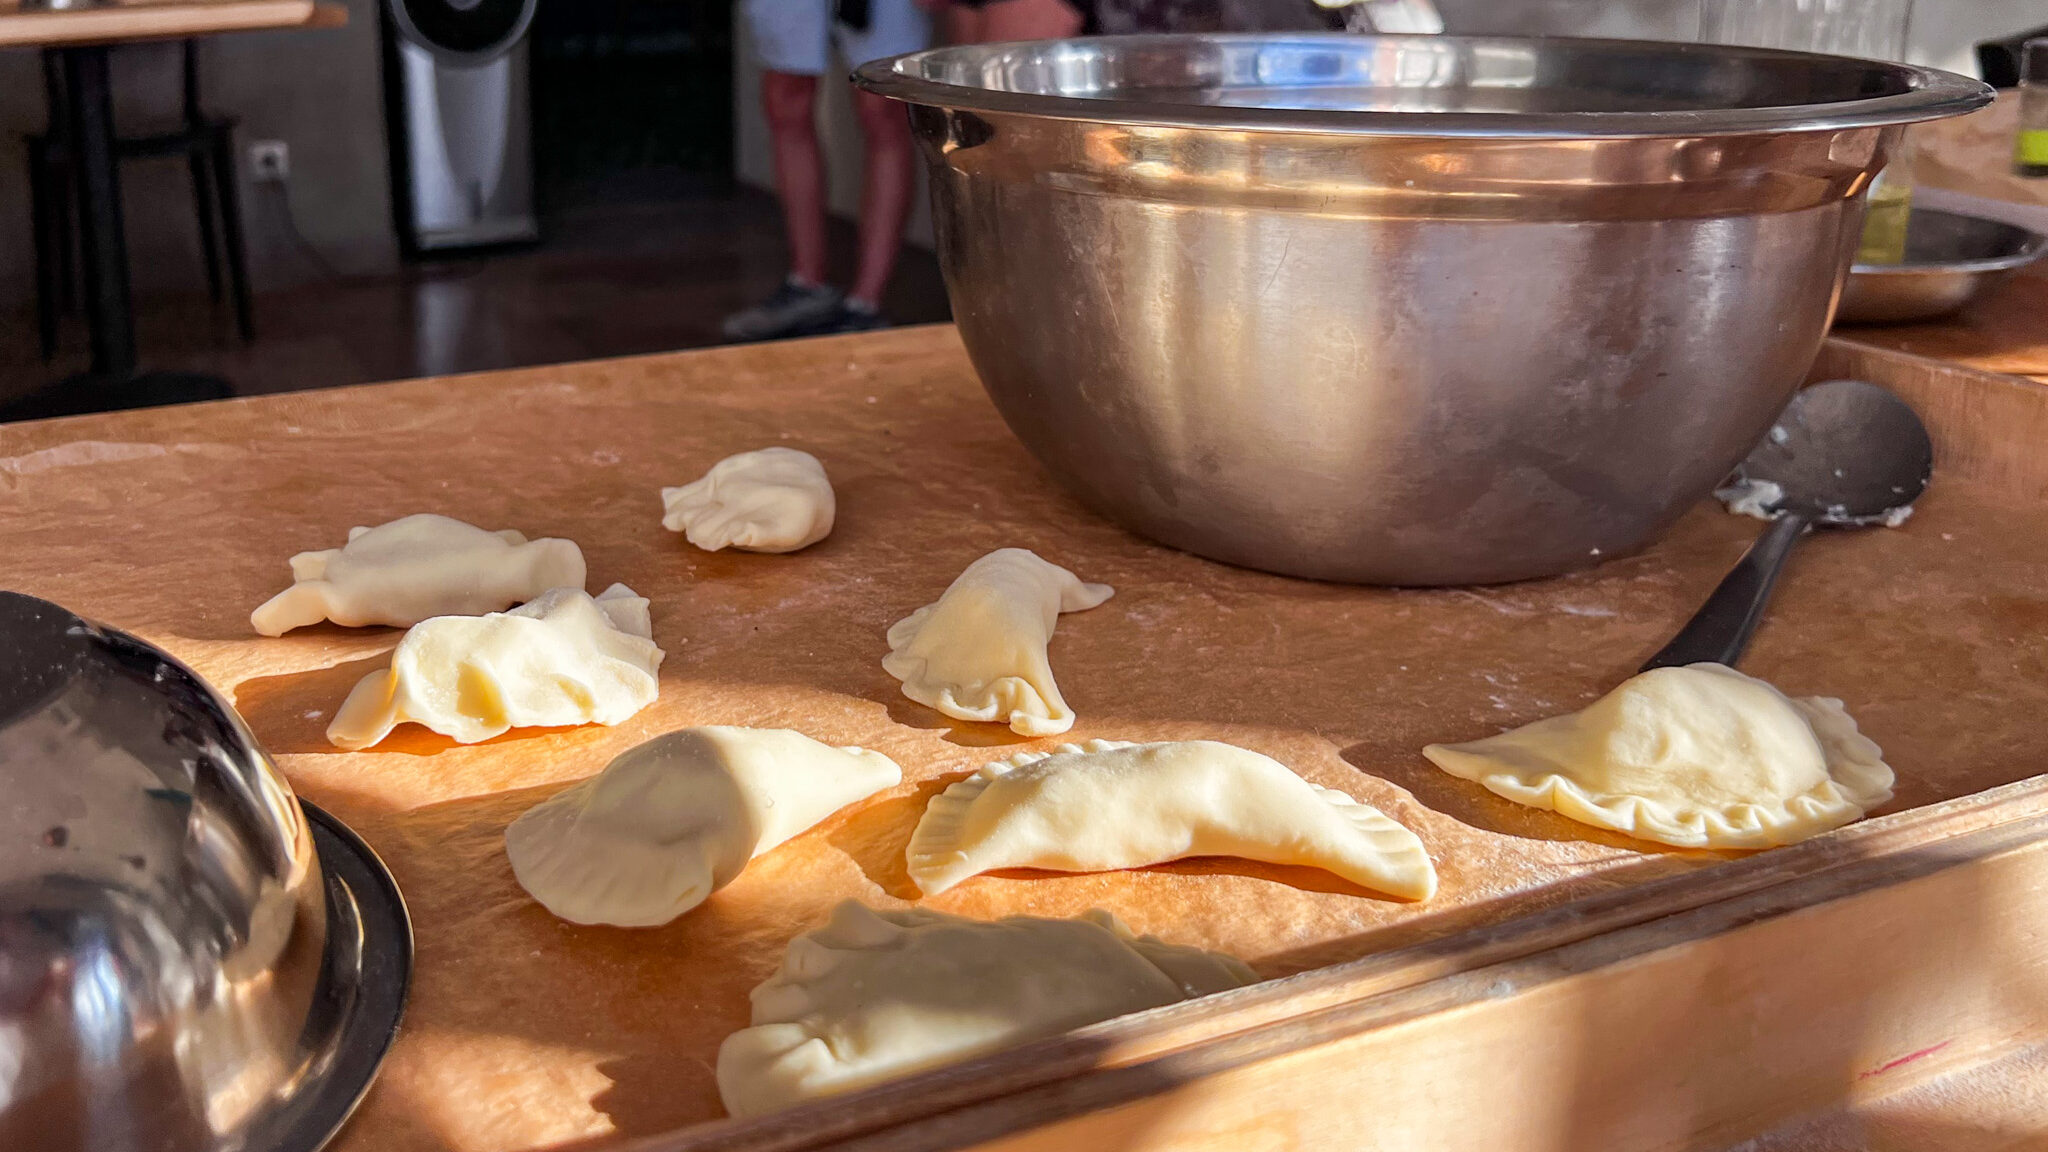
(270, 160)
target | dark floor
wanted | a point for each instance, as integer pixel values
(612, 278)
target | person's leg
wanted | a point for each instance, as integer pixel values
(791, 103)
(963, 24)
(888, 183)
(792, 41)
(1030, 20)
(889, 177)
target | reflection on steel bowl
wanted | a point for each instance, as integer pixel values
(1403, 310)
(190, 960)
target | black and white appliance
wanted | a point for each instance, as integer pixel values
(458, 115)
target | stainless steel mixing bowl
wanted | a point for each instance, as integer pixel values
(1403, 310)
(1950, 258)
(187, 962)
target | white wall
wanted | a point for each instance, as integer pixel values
(1945, 32)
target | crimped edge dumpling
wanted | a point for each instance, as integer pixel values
(980, 651)
(1857, 780)
(1387, 856)
(555, 862)
(812, 1038)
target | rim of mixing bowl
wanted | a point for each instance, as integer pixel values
(362, 996)
(1908, 92)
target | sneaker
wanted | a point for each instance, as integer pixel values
(846, 318)
(794, 307)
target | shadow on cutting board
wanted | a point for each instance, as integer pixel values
(876, 834)
(964, 733)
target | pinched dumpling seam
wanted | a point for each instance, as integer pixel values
(980, 651)
(1858, 781)
(947, 811)
(471, 678)
(1005, 699)
(773, 499)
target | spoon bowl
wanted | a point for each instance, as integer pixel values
(1843, 454)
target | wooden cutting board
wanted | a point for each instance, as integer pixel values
(526, 1032)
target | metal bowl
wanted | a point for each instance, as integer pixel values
(1950, 258)
(189, 961)
(1402, 310)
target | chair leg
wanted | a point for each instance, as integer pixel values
(202, 203)
(57, 192)
(41, 222)
(223, 148)
(63, 234)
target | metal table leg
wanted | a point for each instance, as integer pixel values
(90, 103)
(113, 381)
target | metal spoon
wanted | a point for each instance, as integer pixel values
(1843, 454)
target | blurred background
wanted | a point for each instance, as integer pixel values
(645, 219)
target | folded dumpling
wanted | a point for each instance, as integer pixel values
(416, 568)
(979, 652)
(876, 995)
(564, 658)
(671, 821)
(1698, 757)
(771, 500)
(1105, 805)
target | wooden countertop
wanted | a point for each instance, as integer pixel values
(2004, 330)
(525, 1031)
(157, 20)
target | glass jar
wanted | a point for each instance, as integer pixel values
(1872, 29)
(2030, 151)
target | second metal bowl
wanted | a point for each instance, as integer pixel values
(1950, 259)
(1402, 310)
(190, 961)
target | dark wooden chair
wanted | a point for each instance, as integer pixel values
(207, 144)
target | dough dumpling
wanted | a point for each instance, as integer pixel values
(876, 995)
(773, 500)
(416, 568)
(564, 658)
(1105, 805)
(979, 653)
(671, 821)
(1698, 757)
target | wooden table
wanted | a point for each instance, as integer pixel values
(102, 24)
(527, 1032)
(2004, 330)
(81, 36)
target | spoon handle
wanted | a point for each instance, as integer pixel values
(1721, 629)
